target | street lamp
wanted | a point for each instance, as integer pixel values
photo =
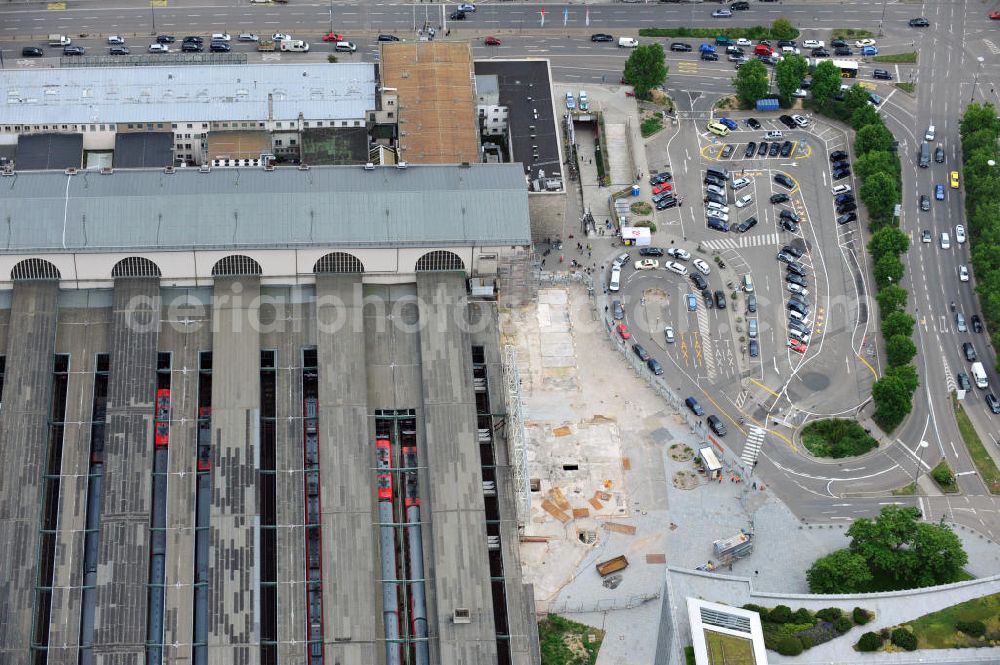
(920, 459)
(975, 81)
(152, 13)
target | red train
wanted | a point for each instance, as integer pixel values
(161, 427)
(383, 455)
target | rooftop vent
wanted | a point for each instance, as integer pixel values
(268, 167)
(7, 170)
(401, 165)
(462, 615)
(204, 168)
(304, 167)
(107, 170)
(71, 171)
(169, 170)
(369, 167)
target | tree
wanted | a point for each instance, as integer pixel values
(825, 82)
(907, 374)
(888, 240)
(939, 554)
(888, 270)
(646, 68)
(752, 82)
(870, 642)
(877, 162)
(873, 137)
(842, 571)
(864, 116)
(880, 194)
(783, 29)
(978, 116)
(891, 299)
(904, 638)
(788, 74)
(897, 323)
(855, 97)
(899, 350)
(893, 402)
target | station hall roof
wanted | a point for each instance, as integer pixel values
(225, 208)
(186, 93)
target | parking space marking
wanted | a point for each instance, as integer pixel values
(743, 241)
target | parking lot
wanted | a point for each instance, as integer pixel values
(777, 319)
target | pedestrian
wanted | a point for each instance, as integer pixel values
(590, 254)
(605, 308)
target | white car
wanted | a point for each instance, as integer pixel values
(702, 266)
(800, 93)
(280, 37)
(668, 334)
(812, 43)
(679, 254)
(248, 37)
(740, 183)
(773, 134)
(647, 264)
(744, 201)
(712, 214)
(861, 43)
(959, 233)
(715, 190)
(221, 37)
(840, 189)
(929, 134)
(743, 41)
(116, 40)
(795, 288)
(466, 7)
(963, 274)
(158, 48)
(621, 260)
(673, 266)
(801, 120)
(712, 205)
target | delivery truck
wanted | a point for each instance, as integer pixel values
(59, 40)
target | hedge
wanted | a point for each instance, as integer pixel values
(870, 642)
(904, 639)
(756, 32)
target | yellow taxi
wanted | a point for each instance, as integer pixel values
(954, 179)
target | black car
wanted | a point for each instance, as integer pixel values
(977, 323)
(844, 208)
(710, 56)
(746, 225)
(840, 175)
(165, 39)
(837, 43)
(118, 50)
(617, 310)
(963, 381)
(191, 47)
(457, 15)
(792, 278)
(73, 50)
(939, 155)
(754, 348)
(698, 281)
(193, 40)
(641, 352)
(786, 42)
(785, 258)
(992, 403)
(843, 50)
(32, 52)
(762, 148)
(739, 5)
(775, 150)
(796, 307)
(752, 303)
(715, 198)
(720, 299)
(882, 75)
(706, 295)
(779, 198)
(654, 366)
(920, 22)
(820, 53)
(750, 151)
(969, 351)
(786, 148)
(797, 268)
(846, 197)
(789, 225)
(666, 203)
(660, 178)
(838, 155)
(784, 180)
(787, 213)
(662, 196)
(717, 425)
(681, 47)
(849, 217)
(219, 47)
(717, 224)
(394, 38)
(787, 121)
(712, 180)
(650, 251)
(727, 152)
(602, 37)
(752, 123)
(794, 251)
(840, 165)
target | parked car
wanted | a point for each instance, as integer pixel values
(784, 180)
(252, 37)
(675, 267)
(716, 424)
(698, 281)
(701, 266)
(692, 302)
(788, 213)
(622, 331)
(650, 251)
(753, 123)
(660, 178)
(750, 150)
(720, 299)
(647, 264)
(679, 254)
(740, 183)
(781, 197)
(681, 47)
(640, 350)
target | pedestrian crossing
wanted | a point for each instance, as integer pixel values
(743, 241)
(707, 352)
(755, 440)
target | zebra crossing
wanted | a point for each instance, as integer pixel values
(741, 242)
(755, 440)
(707, 351)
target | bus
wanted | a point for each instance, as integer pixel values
(848, 68)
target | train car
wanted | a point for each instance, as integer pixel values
(162, 424)
(383, 455)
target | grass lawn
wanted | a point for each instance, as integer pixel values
(906, 490)
(836, 437)
(650, 126)
(851, 33)
(728, 649)
(907, 87)
(937, 630)
(944, 478)
(987, 468)
(565, 642)
(896, 57)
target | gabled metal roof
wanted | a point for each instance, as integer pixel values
(186, 93)
(149, 209)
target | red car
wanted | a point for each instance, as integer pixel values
(665, 187)
(797, 346)
(623, 331)
(492, 41)
(995, 16)
(333, 37)
(763, 49)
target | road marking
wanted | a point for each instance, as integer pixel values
(56, 6)
(965, 473)
(704, 348)
(742, 242)
(994, 49)
(758, 383)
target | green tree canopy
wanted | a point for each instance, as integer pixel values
(842, 571)
(899, 350)
(979, 116)
(888, 270)
(855, 97)
(897, 323)
(893, 401)
(825, 82)
(751, 83)
(880, 195)
(891, 299)
(873, 137)
(788, 74)
(646, 68)
(888, 240)
(782, 28)
(876, 162)
(907, 374)
(864, 116)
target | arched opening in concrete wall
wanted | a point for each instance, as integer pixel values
(235, 265)
(340, 262)
(135, 266)
(439, 260)
(34, 269)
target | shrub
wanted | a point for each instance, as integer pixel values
(972, 628)
(780, 614)
(830, 614)
(790, 646)
(762, 611)
(843, 624)
(904, 639)
(860, 616)
(836, 437)
(689, 656)
(806, 641)
(870, 642)
(802, 615)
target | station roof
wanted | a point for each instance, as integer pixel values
(149, 209)
(186, 93)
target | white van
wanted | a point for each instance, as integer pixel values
(616, 280)
(748, 283)
(345, 47)
(945, 240)
(627, 42)
(296, 45)
(979, 375)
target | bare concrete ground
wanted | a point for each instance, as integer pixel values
(628, 495)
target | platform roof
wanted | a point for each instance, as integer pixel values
(149, 209)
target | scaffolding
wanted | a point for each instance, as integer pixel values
(517, 277)
(517, 439)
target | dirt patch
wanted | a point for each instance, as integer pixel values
(686, 480)
(680, 452)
